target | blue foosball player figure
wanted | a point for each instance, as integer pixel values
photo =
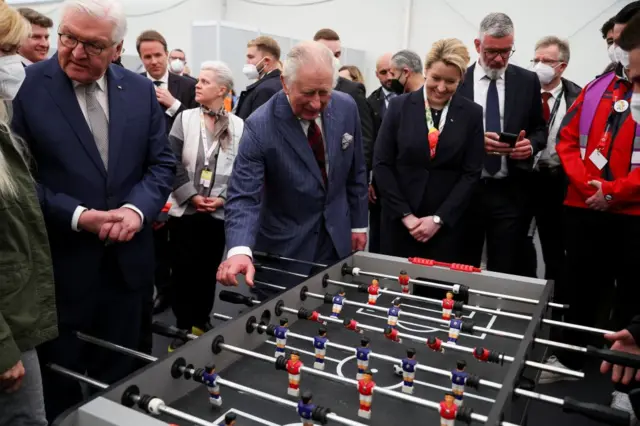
(362, 356)
(229, 420)
(394, 312)
(320, 346)
(455, 325)
(280, 333)
(305, 409)
(458, 380)
(210, 379)
(409, 371)
(338, 301)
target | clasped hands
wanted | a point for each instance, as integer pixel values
(119, 225)
(521, 150)
(422, 229)
(206, 204)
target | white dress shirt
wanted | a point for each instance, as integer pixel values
(305, 129)
(480, 89)
(388, 95)
(549, 157)
(171, 111)
(103, 100)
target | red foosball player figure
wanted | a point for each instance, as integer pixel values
(365, 389)
(374, 291)
(403, 279)
(315, 317)
(229, 420)
(435, 344)
(392, 334)
(448, 410)
(352, 325)
(293, 368)
(447, 306)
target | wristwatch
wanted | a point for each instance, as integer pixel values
(608, 197)
(437, 220)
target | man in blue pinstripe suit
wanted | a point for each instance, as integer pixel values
(299, 185)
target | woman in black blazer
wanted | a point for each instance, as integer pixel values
(428, 158)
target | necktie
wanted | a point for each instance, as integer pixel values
(317, 146)
(492, 163)
(98, 123)
(546, 112)
(157, 83)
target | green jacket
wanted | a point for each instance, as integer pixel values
(27, 298)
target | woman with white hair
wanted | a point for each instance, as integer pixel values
(27, 300)
(205, 142)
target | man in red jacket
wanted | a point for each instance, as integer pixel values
(599, 146)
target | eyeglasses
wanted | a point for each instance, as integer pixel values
(505, 54)
(550, 62)
(71, 42)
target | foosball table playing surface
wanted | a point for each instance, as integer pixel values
(356, 344)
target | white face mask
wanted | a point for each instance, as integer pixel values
(251, 71)
(176, 66)
(611, 52)
(622, 57)
(545, 72)
(11, 76)
(635, 107)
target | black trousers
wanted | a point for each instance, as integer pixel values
(374, 226)
(198, 241)
(499, 212)
(548, 190)
(163, 259)
(113, 313)
(602, 250)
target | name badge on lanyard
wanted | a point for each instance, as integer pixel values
(620, 105)
(206, 177)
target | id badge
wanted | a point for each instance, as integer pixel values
(205, 178)
(598, 159)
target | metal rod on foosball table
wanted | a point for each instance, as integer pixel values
(114, 347)
(453, 347)
(476, 308)
(277, 287)
(79, 377)
(260, 266)
(397, 395)
(286, 259)
(357, 272)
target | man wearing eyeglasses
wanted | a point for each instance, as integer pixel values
(515, 132)
(104, 172)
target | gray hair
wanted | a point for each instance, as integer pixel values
(309, 52)
(407, 59)
(563, 46)
(110, 10)
(496, 25)
(222, 73)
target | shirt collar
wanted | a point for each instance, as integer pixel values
(25, 61)
(102, 83)
(387, 93)
(164, 79)
(555, 92)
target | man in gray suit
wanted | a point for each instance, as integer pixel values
(299, 184)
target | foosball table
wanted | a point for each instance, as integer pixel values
(355, 344)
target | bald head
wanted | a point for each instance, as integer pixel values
(308, 77)
(382, 69)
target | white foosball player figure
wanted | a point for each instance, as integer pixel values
(210, 379)
(338, 301)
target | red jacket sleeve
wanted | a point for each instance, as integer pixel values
(624, 190)
(568, 149)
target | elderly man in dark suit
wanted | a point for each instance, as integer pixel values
(512, 103)
(104, 171)
(299, 186)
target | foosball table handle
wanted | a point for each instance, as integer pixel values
(236, 298)
(166, 330)
(615, 357)
(597, 412)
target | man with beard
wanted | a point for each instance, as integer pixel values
(512, 103)
(378, 102)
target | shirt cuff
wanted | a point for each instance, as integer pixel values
(359, 230)
(137, 210)
(76, 217)
(240, 250)
(171, 111)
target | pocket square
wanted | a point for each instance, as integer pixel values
(347, 140)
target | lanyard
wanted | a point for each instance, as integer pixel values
(207, 150)
(554, 111)
(433, 133)
(620, 94)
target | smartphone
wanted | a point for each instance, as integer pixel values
(509, 138)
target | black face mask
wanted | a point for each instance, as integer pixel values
(397, 87)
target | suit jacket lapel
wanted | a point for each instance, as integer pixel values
(291, 130)
(117, 114)
(173, 85)
(64, 95)
(466, 89)
(420, 122)
(510, 87)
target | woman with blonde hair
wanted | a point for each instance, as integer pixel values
(27, 301)
(428, 159)
(205, 141)
(351, 72)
